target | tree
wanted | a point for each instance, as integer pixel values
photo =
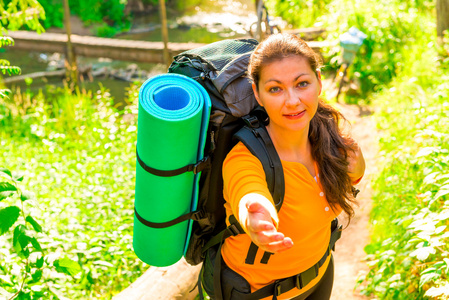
(13, 16)
(442, 8)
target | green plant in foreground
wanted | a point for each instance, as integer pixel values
(78, 152)
(5, 65)
(26, 268)
(409, 252)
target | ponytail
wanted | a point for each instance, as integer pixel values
(330, 151)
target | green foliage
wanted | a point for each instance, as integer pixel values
(78, 152)
(300, 13)
(26, 261)
(392, 28)
(108, 17)
(18, 13)
(15, 14)
(408, 255)
(54, 10)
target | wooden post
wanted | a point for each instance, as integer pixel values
(442, 9)
(163, 14)
(71, 58)
(259, 13)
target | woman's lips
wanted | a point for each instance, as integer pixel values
(294, 116)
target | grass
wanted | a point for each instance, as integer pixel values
(77, 154)
(407, 254)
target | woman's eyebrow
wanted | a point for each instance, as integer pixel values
(275, 80)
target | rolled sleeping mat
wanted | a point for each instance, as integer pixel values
(172, 123)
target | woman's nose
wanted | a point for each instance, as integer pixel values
(292, 98)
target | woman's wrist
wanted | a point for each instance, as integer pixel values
(262, 200)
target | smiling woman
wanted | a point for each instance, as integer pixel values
(289, 91)
(319, 163)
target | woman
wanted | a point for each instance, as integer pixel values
(320, 167)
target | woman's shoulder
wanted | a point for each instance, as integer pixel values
(241, 156)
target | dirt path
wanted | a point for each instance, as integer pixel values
(349, 250)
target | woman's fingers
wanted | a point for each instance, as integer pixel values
(262, 230)
(279, 246)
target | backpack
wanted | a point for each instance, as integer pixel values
(220, 68)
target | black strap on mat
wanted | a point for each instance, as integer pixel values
(194, 215)
(195, 168)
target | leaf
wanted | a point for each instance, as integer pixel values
(6, 171)
(18, 177)
(423, 253)
(435, 292)
(429, 270)
(6, 194)
(26, 195)
(103, 263)
(446, 260)
(33, 223)
(440, 229)
(6, 279)
(67, 266)
(37, 275)
(428, 277)
(5, 293)
(6, 186)
(40, 262)
(36, 244)
(443, 191)
(426, 151)
(21, 240)
(8, 216)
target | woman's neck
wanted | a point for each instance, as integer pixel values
(292, 146)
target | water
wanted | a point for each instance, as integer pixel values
(211, 21)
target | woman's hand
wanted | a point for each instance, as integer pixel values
(356, 167)
(260, 225)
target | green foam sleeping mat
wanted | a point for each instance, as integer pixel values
(172, 124)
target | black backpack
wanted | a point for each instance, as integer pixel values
(221, 68)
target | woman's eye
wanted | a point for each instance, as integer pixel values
(274, 89)
(303, 84)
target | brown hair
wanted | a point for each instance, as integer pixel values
(329, 146)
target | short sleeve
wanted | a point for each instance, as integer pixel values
(243, 174)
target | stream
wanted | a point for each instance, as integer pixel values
(211, 21)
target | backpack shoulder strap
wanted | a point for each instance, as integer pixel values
(255, 137)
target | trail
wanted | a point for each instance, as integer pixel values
(349, 251)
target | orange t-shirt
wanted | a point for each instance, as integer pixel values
(305, 217)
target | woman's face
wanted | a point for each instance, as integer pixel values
(289, 90)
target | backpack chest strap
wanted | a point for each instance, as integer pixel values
(297, 281)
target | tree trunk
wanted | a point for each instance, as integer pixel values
(259, 13)
(163, 14)
(442, 8)
(70, 55)
(177, 282)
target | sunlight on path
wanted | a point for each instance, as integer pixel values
(349, 250)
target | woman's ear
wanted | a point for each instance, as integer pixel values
(318, 76)
(256, 94)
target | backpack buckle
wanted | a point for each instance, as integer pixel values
(277, 288)
(201, 165)
(251, 121)
(233, 230)
(198, 215)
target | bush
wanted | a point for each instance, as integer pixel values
(409, 248)
(78, 152)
